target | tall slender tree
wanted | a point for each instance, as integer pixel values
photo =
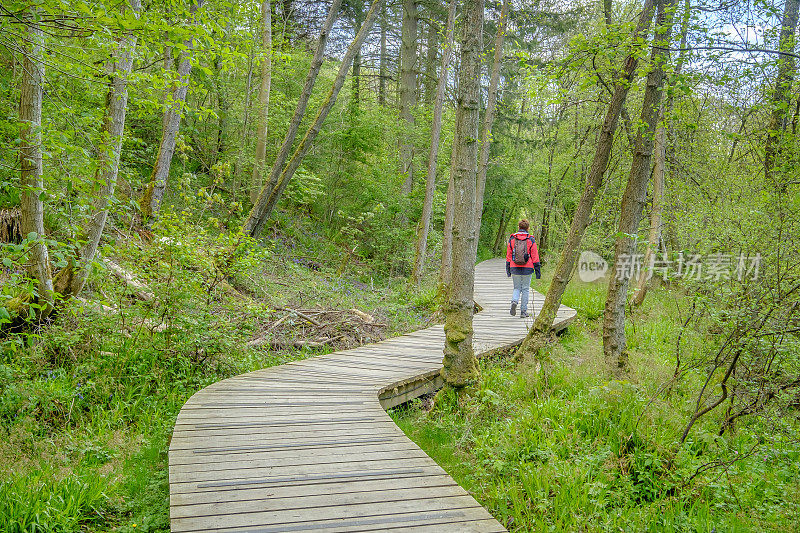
(257, 180)
(488, 117)
(408, 91)
(382, 69)
(30, 150)
(154, 192)
(252, 224)
(460, 367)
(70, 280)
(433, 154)
(540, 331)
(781, 105)
(259, 213)
(633, 199)
(660, 164)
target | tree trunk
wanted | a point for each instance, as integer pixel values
(253, 226)
(445, 271)
(408, 92)
(257, 180)
(436, 131)
(659, 172)
(488, 118)
(260, 211)
(660, 166)
(781, 99)
(154, 193)
(633, 199)
(544, 234)
(356, 79)
(607, 5)
(222, 105)
(544, 321)
(382, 68)
(430, 61)
(70, 280)
(237, 172)
(460, 367)
(499, 237)
(30, 150)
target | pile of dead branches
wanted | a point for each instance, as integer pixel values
(314, 328)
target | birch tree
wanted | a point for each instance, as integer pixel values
(460, 367)
(263, 101)
(261, 210)
(540, 330)
(633, 199)
(70, 280)
(31, 181)
(154, 193)
(408, 91)
(254, 224)
(433, 154)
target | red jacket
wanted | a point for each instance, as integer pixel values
(531, 265)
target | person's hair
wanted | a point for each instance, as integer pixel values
(524, 224)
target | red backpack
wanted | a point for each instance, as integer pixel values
(519, 251)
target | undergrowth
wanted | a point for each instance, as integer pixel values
(566, 449)
(88, 400)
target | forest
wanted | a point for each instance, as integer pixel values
(193, 190)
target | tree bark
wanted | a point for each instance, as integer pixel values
(430, 60)
(31, 181)
(660, 166)
(382, 68)
(70, 280)
(261, 208)
(356, 78)
(544, 321)
(781, 99)
(253, 225)
(436, 130)
(257, 181)
(607, 5)
(154, 193)
(460, 367)
(488, 118)
(633, 199)
(445, 270)
(408, 92)
(499, 237)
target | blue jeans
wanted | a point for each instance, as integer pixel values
(522, 288)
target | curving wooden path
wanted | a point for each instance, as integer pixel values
(308, 445)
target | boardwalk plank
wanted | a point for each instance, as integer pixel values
(306, 446)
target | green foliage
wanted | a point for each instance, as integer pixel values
(39, 502)
(564, 450)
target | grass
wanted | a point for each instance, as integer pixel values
(568, 449)
(88, 402)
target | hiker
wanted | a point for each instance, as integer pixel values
(522, 260)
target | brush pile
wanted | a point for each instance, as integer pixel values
(338, 329)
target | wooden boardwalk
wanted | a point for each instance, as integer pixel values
(308, 445)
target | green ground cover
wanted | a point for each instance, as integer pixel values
(565, 449)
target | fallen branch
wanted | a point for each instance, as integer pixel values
(301, 315)
(141, 290)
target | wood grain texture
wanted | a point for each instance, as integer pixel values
(308, 446)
